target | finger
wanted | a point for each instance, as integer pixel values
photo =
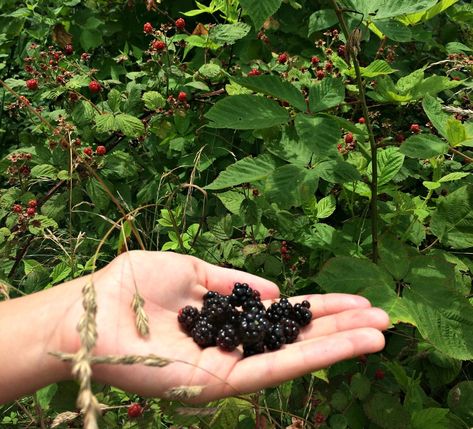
(344, 321)
(222, 280)
(268, 369)
(331, 303)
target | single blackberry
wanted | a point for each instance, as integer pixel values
(252, 327)
(253, 349)
(302, 314)
(253, 302)
(217, 309)
(280, 310)
(227, 338)
(305, 303)
(291, 330)
(240, 293)
(187, 317)
(274, 338)
(209, 295)
(204, 332)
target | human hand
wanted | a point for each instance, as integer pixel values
(343, 326)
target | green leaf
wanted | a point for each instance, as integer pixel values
(41, 223)
(260, 10)
(129, 125)
(153, 100)
(245, 170)
(423, 146)
(321, 20)
(385, 411)
(105, 123)
(229, 33)
(452, 222)
(326, 207)
(44, 171)
(393, 256)
(246, 112)
(460, 399)
(119, 164)
(382, 9)
(442, 315)
(210, 71)
(394, 30)
(414, 18)
(456, 132)
(377, 68)
(320, 134)
(97, 194)
(436, 115)
(360, 386)
(231, 200)
(326, 94)
(337, 171)
(227, 413)
(451, 177)
(390, 161)
(45, 395)
(275, 87)
(433, 418)
(114, 98)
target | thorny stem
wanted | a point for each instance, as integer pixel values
(374, 158)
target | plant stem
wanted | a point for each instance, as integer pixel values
(374, 158)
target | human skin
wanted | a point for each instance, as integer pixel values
(343, 326)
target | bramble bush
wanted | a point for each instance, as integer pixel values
(325, 145)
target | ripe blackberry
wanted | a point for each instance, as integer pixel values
(254, 302)
(291, 330)
(280, 310)
(252, 327)
(274, 338)
(227, 338)
(302, 314)
(253, 349)
(204, 333)
(217, 309)
(187, 317)
(241, 292)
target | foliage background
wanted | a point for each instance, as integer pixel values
(265, 149)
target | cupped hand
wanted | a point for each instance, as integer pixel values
(343, 326)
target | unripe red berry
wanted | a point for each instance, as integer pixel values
(182, 97)
(254, 72)
(315, 60)
(415, 128)
(348, 138)
(159, 45)
(180, 23)
(320, 74)
(379, 374)
(135, 410)
(328, 66)
(68, 49)
(101, 150)
(341, 50)
(95, 87)
(319, 418)
(32, 84)
(282, 58)
(17, 208)
(361, 120)
(30, 211)
(400, 137)
(33, 203)
(148, 28)
(88, 151)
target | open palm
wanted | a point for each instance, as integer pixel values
(344, 326)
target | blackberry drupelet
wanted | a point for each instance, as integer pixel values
(204, 333)
(227, 338)
(302, 314)
(187, 317)
(253, 349)
(274, 338)
(252, 326)
(217, 309)
(291, 330)
(240, 293)
(280, 310)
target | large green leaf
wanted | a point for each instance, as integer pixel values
(382, 9)
(320, 134)
(245, 170)
(275, 87)
(386, 411)
(393, 256)
(390, 161)
(414, 18)
(452, 222)
(260, 10)
(437, 116)
(423, 146)
(229, 33)
(291, 148)
(246, 112)
(322, 19)
(443, 316)
(326, 94)
(460, 399)
(337, 171)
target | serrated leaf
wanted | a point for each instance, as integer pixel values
(451, 177)
(442, 315)
(44, 171)
(245, 170)
(337, 171)
(326, 207)
(393, 256)
(456, 132)
(377, 68)
(153, 100)
(105, 123)
(275, 87)
(260, 10)
(414, 18)
(360, 386)
(459, 400)
(321, 19)
(390, 161)
(436, 115)
(229, 33)
(210, 71)
(326, 94)
(320, 134)
(246, 112)
(452, 222)
(386, 411)
(433, 418)
(129, 125)
(423, 146)
(383, 9)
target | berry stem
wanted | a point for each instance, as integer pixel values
(353, 54)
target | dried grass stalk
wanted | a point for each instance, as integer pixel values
(142, 320)
(66, 417)
(183, 392)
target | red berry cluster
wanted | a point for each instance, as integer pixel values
(254, 72)
(285, 256)
(19, 168)
(415, 128)
(349, 144)
(26, 214)
(319, 418)
(95, 87)
(180, 23)
(100, 151)
(135, 410)
(282, 58)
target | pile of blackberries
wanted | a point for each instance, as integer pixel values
(241, 318)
